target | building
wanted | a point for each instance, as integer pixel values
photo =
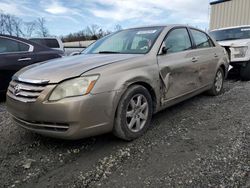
(228, 13)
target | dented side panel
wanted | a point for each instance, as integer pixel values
(179, 74)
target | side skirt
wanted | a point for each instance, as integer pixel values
(175, 100)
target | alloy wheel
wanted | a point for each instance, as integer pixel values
(218, 81)
(137, 113)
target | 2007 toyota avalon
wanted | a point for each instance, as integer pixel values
(117, 83)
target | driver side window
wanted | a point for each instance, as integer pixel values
(177, 40)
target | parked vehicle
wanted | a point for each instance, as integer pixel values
(117, 83)
(73, 51)
(76, 47)
(51, 42)
(16, 53)
(236, 40)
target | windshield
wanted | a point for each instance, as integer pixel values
(231, 34)
(131, 41)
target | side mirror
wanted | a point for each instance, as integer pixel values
(164, 50)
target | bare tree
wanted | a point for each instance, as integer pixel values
(2, 26)
(92, 30)
(42, 30)
(117, 27)
(17, 26)
(12, 25)
(29, 28)
(8, 23)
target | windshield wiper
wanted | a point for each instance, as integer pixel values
(108, 52)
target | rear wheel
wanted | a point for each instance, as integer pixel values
(134, 113)
(218, 83)
(245, 72)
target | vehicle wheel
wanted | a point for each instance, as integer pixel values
(134, 113)
(245, 72)
(218, 83)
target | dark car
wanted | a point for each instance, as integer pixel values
(16, 53)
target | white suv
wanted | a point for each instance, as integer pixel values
(51, 42)
(236, 41)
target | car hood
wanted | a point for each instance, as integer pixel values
(54, 71)
(235, 43)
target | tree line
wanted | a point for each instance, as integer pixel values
(92, 32)
(14, 26)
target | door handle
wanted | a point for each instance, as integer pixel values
(24, 59)
(194, 59)
(215, 55)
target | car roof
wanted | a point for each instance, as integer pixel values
(150, 26)
(16, 38)
(56, 38)
(165, 26)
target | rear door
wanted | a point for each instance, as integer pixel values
(14, 55)
(178, 67)
(208, 56)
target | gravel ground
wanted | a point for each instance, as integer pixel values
(202, 142)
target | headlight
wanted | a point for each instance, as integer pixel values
(240, 51)
(74, 87)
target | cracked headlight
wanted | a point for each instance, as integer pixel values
(74, 87)
(240, 52)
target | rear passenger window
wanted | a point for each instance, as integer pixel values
(7, 45)
(201, 40)
(177, 41)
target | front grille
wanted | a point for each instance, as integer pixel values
(47, 126)
(24, 92)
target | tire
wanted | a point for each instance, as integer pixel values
(127, 126)
(245, 72)
(218, 83)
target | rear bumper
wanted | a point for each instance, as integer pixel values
(70, 118)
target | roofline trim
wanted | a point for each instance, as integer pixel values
(218, 1)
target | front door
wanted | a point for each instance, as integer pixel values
(179, 66)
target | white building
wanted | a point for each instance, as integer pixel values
(228, 13)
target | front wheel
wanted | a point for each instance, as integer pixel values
(218, 83)
(134, 113)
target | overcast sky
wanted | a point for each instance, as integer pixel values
(65, 16)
